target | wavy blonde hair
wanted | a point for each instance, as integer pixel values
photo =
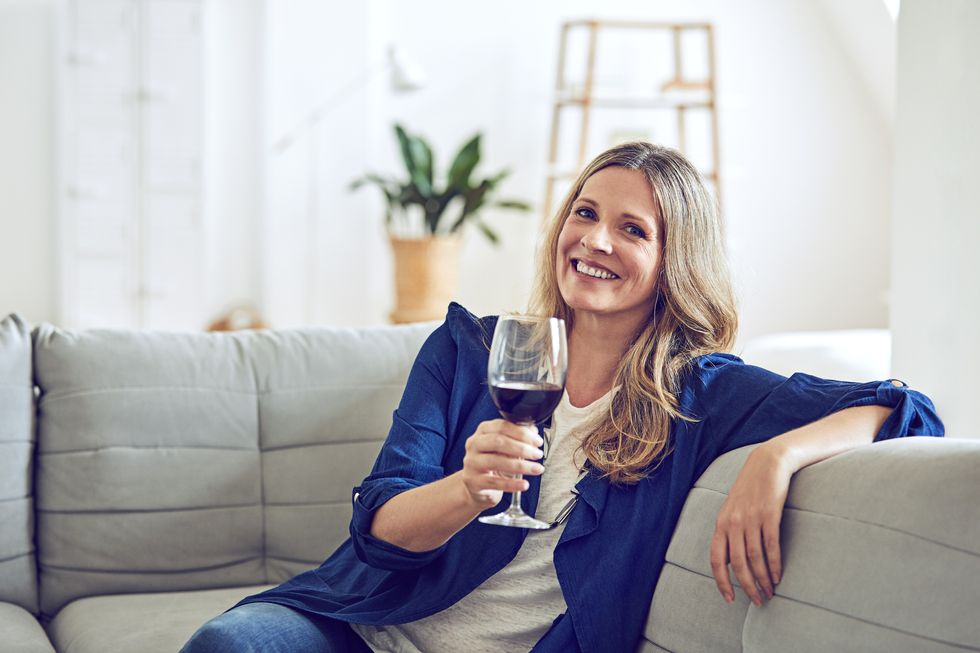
(693, 312)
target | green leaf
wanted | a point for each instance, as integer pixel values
(419, 189)
(516, 205)
(388, 187)
(476, 197)
(408, 194)
(404, 144)
(442, 203)
(433, 212)
(496, 179)
(422, 157)
(472, 201)
(371, 178)
(464, 163)
(417, 156)
(385, 185)
(488, 232)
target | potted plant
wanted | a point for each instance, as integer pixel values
(424, 219)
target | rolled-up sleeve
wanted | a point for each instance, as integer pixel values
(742, 404)
(411, 455)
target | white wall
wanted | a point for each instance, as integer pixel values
(27, 145)
(232, 166)
(865, 31)
(328, 270)
(27, 275)
(806, 155)
(935, 276)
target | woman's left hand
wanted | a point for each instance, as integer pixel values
(747, 529)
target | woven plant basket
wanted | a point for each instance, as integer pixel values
(426, 277)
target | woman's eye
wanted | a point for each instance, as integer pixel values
(633, 230)
(583, 212)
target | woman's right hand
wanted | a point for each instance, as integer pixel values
(498, 450)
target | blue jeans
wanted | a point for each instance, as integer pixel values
(272, 628)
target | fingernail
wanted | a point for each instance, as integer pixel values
(538, 468)
(758, 602)
(730, 598)
(776, 579)
(538, 440)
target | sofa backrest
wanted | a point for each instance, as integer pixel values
(172, 461)
(18, 574)
(881, 553)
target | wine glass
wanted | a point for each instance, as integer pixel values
(528, 363)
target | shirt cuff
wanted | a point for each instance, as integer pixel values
(913, 414)
(376, 552)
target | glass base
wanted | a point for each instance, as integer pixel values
(517, 518)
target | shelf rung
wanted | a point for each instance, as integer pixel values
(622, 24)
(685, 85)
(635, 103)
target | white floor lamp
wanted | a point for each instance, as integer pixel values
(403, 77)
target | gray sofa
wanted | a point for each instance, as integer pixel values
(150, 480)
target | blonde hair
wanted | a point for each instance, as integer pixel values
(693, 312)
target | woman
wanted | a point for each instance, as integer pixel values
(635, 265)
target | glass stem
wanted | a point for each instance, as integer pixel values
(515, 497)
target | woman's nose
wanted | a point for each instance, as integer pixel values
(597, 240)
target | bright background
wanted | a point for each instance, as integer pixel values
(816, 192)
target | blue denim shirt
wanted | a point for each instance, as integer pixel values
(610, 554)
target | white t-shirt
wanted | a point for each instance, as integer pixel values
(515, 607)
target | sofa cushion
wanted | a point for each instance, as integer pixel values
(148, 623)
(21, 631)
(881, 552)
(181, 461)
(18, 571)
(326, 409)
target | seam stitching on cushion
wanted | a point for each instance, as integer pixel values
(878, 625)
(165, 447)
(284, 504)
(65, 394)
(660, 646)
(15, 557)
(130, 511)
(866, 523)
(314, 563)
(150, 571)
(835, 612)
(321, 444)
(345, 388)
(168, 447)
(258, 442)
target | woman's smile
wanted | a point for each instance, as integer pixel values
(592, 270)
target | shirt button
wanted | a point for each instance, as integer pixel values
(897, 383)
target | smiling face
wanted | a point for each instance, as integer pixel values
(609, 248)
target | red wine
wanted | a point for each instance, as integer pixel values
(521, 401)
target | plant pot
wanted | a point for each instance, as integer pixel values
(426, 277)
